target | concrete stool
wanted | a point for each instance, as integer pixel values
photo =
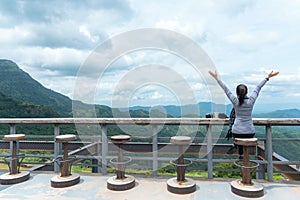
(246, 187)
(180, 184)
(14, 161)
(120, 181)
(65, 178)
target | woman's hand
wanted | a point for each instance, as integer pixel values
(214, 75)
(272, 73)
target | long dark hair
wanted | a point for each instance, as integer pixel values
(241, 91)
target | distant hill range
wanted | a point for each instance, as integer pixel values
(201, 109)
(22, 96)
(288, 113)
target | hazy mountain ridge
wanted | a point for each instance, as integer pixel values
(208, 107)
(198, 110)
(287, 113)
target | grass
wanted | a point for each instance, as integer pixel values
(81, 169)
(162, 172)
(4, 167)
(278, 177)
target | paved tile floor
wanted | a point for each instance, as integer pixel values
(92, 187)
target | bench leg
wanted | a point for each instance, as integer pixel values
(246, 175)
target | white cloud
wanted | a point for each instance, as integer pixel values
(61, 60)
(253, 41)
(14, 36)
(245, 39)
(197, 86)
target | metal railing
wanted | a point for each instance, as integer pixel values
(268, 123)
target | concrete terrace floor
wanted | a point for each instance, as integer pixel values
(93, 187)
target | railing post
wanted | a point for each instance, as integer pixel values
(269, 152)
(209, 152)
(57, 148)
(96, 169)
(104, 148)
(261, 169)
(155, 150)
(12, 130)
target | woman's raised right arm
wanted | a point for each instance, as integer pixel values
(234, 100)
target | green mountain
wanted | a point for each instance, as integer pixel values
(19, 85)
(10, 108)
(22, 96)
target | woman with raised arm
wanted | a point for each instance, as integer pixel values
(243, 125)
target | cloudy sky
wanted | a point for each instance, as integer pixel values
(245, 39)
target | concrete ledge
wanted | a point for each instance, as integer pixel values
(121, 184)
(186, 187)
(254, 190)
(8, 179)
(60, 182)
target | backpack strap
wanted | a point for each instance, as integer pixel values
(231, 122)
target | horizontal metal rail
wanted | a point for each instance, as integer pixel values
(146, 121)
(134, 147)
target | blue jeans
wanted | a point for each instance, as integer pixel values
(237, 135)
